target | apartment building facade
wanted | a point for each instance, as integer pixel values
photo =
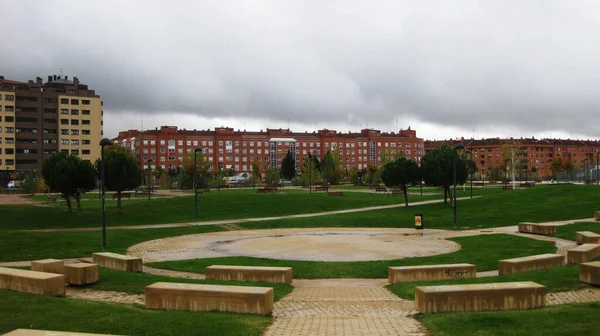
(532, 153)
(38, 119)
(168, 146)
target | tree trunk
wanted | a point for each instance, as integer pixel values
(119, 211)
(78, 199)
(445, 195)
(405, 197)
(69, 206)
(452, 200)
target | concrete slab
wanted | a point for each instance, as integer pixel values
(530, 263)
(430, 272)
(249, 273)
(32, 282)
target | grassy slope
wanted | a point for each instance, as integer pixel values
(135, 282)
(497, 208)
(576, 319)
(496, 247)
(227, 205)
(21, 310)
(569, 231)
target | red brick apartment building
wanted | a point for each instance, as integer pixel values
(168, 146)
(536, 153)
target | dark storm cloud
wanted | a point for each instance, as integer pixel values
(467, 64)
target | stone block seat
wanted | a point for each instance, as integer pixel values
(81, 274)
(583, 253)
(32, 282)
(590, 273)
(249, 273)
(32, 332)
(119, 262)
(587, 237)
(541, 229)
(195, 297)
(430, 272)
(530, 263)
(480, 297)
(48, 266)
(597, 215)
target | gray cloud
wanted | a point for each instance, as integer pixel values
(529, 65)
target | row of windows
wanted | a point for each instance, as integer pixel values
(8, 97)
(74, 112)
(74, 142)
(7, 108)
(229, 143)
(8, 140)
(74, 101)
(8, 162)
(74, 122)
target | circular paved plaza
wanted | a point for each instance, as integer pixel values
(317, 244)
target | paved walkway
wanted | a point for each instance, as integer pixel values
(245, 220)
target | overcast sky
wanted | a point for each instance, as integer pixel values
(446, 68)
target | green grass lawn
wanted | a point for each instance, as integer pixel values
(574, 319)
(22, 310)
(496, 208)
(556, 279)
(483, 251)
(231, 204)
(136, 282)
(569, 231)
(21, 245)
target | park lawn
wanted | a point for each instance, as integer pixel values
(569, 231)
(136, 282)
(498, 208)
(22, 245)
(483, 251)
(572, 319)
(23, 310)
(232, 204)
(559, 279)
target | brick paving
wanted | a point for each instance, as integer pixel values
(344, 307)
(591, 294)
(174, 274)
(102, 295)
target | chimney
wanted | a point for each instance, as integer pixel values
(54, 77)
(75, 81)
(38, 80)
(66, 77)
(49, 78)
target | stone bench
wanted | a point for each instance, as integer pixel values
(32, 282)
(335, 193)
(583, 253)
(597, 215)
(430, 272)
(249, 273)
(541, 229)
(195, 297)
(590, 273)
(480, 297)
(587, 237)
(530, 263)
(119, 262)
(32, 332)
(81, 274)
(48, 266)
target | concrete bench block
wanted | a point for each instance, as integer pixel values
(249, 273)
(480, 297)
(587, 237)
(48, 266)
(32, 282)
(430, 272)
(541, 229)
(32, 332)
(590, 273)
(583, 253)
(119, 262)
(597, 215)
(195, 297)
(530, 263)
(81, 274)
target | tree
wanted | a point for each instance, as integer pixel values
(512, 154)
(309, 174)
(288, 166)
(556, 166)
(29, 185)
(256, 175)
(389, 156)
(372, 175)
(272, 177)
(121, 171)
(353, 175)
(202, 169)
(70, 176)
(332, 168)
(401, 173)
(437, 168)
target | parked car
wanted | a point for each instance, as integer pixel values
(14, 184)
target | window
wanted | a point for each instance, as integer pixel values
(74, 151)
(85, 152)
(87, 142)
(252, 143)
(64, 142)
(145, 142)
(162, 142)
(74, 112)
(85, 102)
(85, 132)
(9, 109)
(220, 143)
(64, 101)
(64, 111)
(85, 122)
(74, 132)
(195, 142)
(74, 122)
(153, 142)
(85, 112)
(9, 130)
(74, 101)
(64, 121)
(188, 143)
(64, 132)
(180, 143)
(75, 142)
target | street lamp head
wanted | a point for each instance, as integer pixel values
(105, 142)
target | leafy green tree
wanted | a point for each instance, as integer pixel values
(372, 173)
(121, 171)
(186, 177)
(401, 173)
(310, 173)
(70, 176)
(288, 166)
(29, 185)
(353, 175)
(437, 169)
(332, 168)
(273, 176)
(256, 175)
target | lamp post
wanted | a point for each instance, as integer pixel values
(585, 161)
(597, 164)
(6, 178)
(196, 150)
(103, 143)
(149, 172)
(219, 177)
(457, 147)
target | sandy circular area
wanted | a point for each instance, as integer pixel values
(319, 244)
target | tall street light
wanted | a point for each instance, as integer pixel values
(149, 172)
(219, 177)
(457, 147)
(196, 150)
(103, 143)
